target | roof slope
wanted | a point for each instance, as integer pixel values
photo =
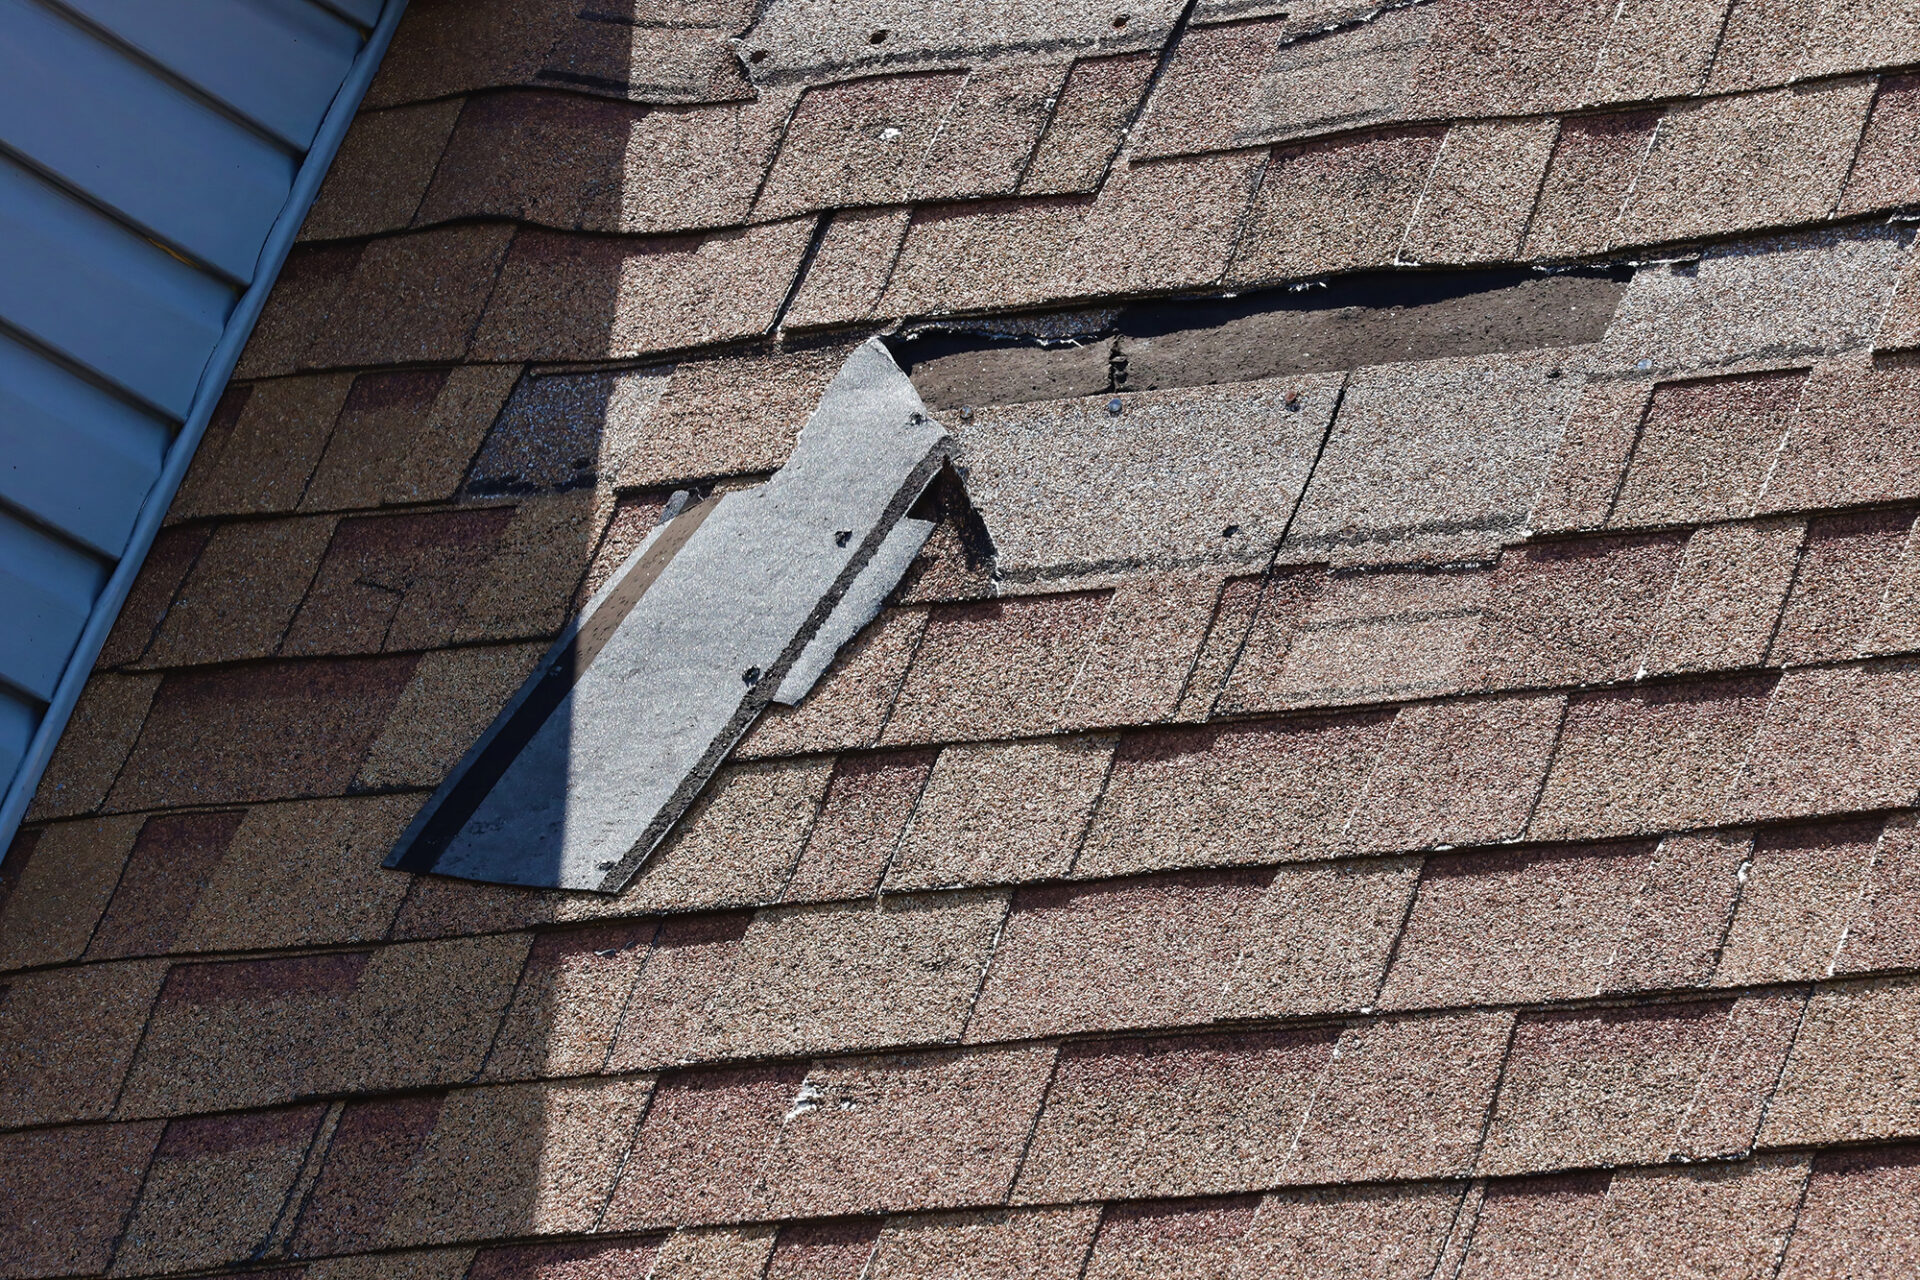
(1426, 787)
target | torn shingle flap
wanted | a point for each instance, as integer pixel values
(741, 600)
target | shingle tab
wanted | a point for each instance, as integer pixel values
(914, 1131)
(1851, 1076)
(1173, 1117)
(1835, 738)
(70, 1191)
(1439, 459)
(1231, 794)
(1478, 200)
(1335, 206)
(1707, 448)
(1090, 120)
(1129, 953)
(1320, 940)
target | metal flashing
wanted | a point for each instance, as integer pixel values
(732, 604)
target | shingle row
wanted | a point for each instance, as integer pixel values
(1506, 927)
(1399, 1100)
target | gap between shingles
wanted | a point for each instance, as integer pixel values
(286, 1224)
(1176, 35)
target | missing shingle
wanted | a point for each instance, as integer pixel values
(1355, 321)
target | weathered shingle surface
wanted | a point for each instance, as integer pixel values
(1409, 768)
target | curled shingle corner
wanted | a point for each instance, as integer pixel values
(733, 603)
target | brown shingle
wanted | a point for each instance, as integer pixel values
(165, 873)
(1586, 472)
(1727, 597)
(1882, 933)
(367, 1160)
(1595, 161)
(1437, 460)
(1252, 793)
(1492, 58)
(1883, 171)
(1657, 49)
(1341, 76)
(94, 747)
(68, 1036)
(1612, 1086)
(1772, 41)
(1328, 639)
(1001, 813)
(858, 142)
(55, 882)
(738, 843)
(532, 580)
(304, 294)
(260, 732)
(618, 1260)
(863, 975)
(1852, 1073)
(1680, 918)
(1153, 629)
(255, 1032)
(834, 1250)
(571, 995)
(1032, 1245)
(1179, 1116)
(911, 1131)
(412, 297)
(1458, 773)
(522, 1159)
(665, 1018)
(1707, 448)
(1651, 759)
(1575, 612)
(1739, 1080)
(396, 582)
(984, 254)
(1728, 1220)
(565, 297)
(1320, 939)
(853, 699)
(1836, 738)
(1522, 1227)
(565, 161)
(242, 593)
(168, 560)
(739, 1253)
(433, 53)
(68, 1195)
(739, 413)
(1166, 225)
(1403, 1099)
(995, 669)
(1147, 952)
(850, 269)
(1516, 926)
(1730, 164)
(215, 1189)
(1477, 201)
(1852, 440)
(1801, 889)
(1335, 206)
(453, 696)
(1090, 119)
(700, 1152)
(1156, 1238)
(407, 436)
(1791, 297)
(380, 172)
(1859, 1216)
(1208, 87)
(989, 133)
(860, 824)
(1370, 1233)
(262, 448)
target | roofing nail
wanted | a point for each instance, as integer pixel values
(1114, 406)
(751, 675)
(840, 539)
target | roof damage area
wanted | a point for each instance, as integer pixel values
(1369, 730)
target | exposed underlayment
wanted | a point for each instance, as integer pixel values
(625, 720)
(1400, 760)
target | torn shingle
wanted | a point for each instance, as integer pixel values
(532, 802)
